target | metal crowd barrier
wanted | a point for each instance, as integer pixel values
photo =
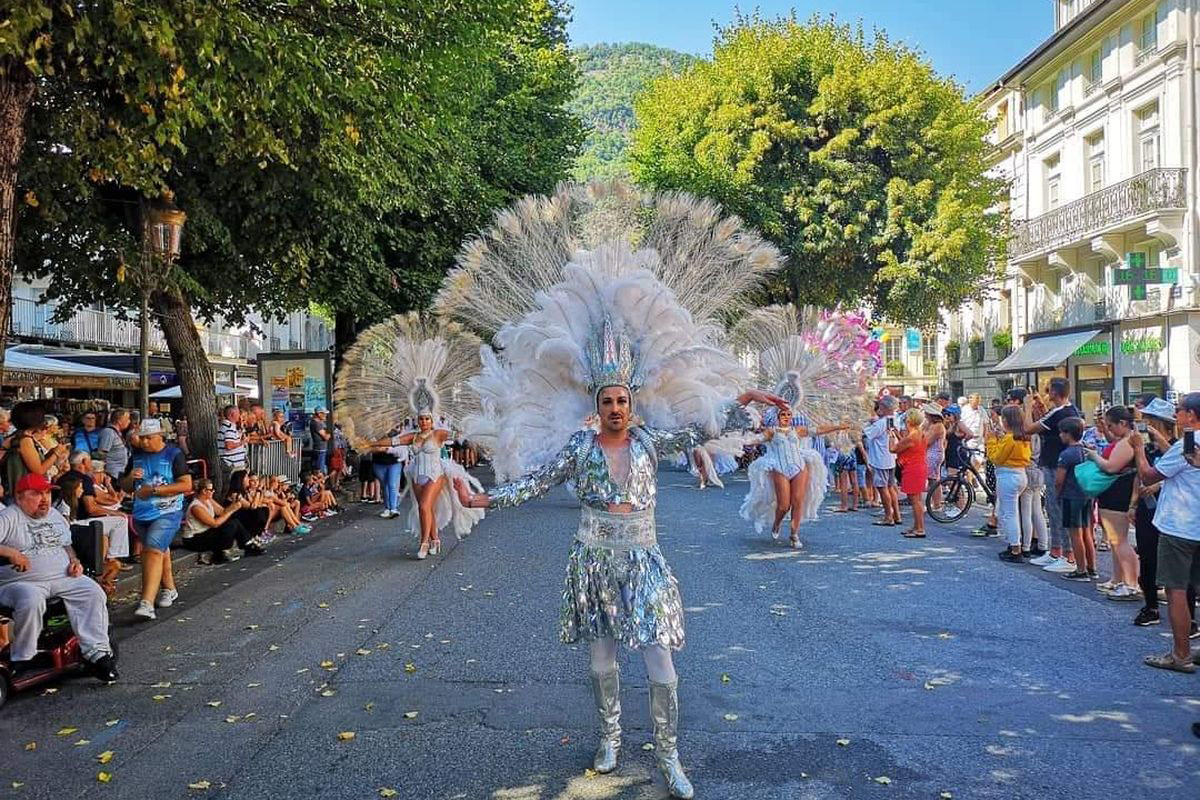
(271, 458)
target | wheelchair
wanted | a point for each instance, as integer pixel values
(58, 647)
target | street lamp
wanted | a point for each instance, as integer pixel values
(162, 234)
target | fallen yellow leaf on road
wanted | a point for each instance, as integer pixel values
(214, 703)
(345, 736)
(111, 722)
(884, 779)
(362, 651)
(326, 664)
(386, 792)
(158, 698)
(104, 777)
(368, 706)
(410, 714)
(410, 667)
(725, 677)
(946, 796)
(590, 773)
(31, 746)
(843, 742)
(272, 647)
(66, 731)
(82, 742)
(161, 685)
(648, 746)
(328, 693)
(17, 784)
(105, 757)
(232, 718)
(731, 717)
(322, 605)
(253, 685)
(200, 785)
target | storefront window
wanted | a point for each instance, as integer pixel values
(1093, 386)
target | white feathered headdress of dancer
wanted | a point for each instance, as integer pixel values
(598, 286)
(819, 361)
(406, 366)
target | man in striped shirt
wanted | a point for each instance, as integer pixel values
(231, 440)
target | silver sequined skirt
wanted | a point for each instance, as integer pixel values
(618, 584)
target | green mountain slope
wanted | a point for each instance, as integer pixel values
(610, 76)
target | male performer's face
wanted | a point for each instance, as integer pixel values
(614, 406)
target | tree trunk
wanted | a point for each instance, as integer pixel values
(195, 377)
(345, 331)
(16, 95)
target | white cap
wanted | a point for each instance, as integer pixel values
(150, 426)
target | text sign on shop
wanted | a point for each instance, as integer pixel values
(1137, 276)
(1101, 348)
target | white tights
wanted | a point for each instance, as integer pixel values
(659, 666)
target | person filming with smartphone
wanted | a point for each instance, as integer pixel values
(1177, 518)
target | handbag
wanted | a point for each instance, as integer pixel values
(1093, 480)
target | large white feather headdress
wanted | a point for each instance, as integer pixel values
(405, 367)
(818, 361)
(597, 286)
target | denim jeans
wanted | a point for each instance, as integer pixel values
(321, 460)
(1058, 534)
(389, 477)
(1010, 483)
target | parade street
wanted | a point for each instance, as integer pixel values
(865, 665)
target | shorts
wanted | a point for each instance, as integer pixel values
(861, 471)
(157, 534)
(1076, 513)
(844, 464)
(883, 478)
(1178, 561)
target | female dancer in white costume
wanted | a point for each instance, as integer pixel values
(599, 327)
(818, 362)
(404, 367)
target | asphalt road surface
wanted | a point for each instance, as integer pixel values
(864, 666)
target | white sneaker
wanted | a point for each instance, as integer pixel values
(1060, 566)
(167, 597)
(386, 514)
(1123, 591)
(1043, 560)
(144, 611)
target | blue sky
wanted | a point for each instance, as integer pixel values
(973, 40)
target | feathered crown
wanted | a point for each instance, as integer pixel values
(612, 359)
(405, 367)
(818, 361)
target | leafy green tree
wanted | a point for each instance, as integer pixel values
(867, 168)
(267, 120)
(610, 76)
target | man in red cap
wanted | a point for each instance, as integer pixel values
(36, 540)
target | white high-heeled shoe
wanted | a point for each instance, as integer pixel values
(423, 551)
(435, 547)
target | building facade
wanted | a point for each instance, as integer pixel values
(99, 337)
(1096, 132)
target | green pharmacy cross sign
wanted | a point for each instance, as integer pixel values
(1137, 276)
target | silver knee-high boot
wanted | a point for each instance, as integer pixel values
(664, 711)
(606, 688)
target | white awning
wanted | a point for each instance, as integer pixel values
(176, 392)
(1047, 352)
(26, 369)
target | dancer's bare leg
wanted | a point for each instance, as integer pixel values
(783, 500)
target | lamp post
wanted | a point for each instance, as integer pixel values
(162, 234)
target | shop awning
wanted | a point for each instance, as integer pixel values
(26, 369)
(176, 392)
(1047, 352)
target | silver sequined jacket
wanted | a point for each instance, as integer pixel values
(582, 460)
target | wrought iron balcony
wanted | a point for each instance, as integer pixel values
(1163, 189)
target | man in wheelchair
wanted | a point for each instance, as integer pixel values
(36, 541)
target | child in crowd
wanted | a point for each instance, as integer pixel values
(1076, 505)
(315, 499)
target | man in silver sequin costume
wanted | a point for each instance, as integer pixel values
(619, 589)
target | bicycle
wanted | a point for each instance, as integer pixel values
(958, 494)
